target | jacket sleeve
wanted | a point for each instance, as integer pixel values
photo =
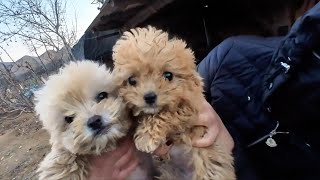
(210, 65)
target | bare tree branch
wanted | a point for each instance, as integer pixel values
(42, 22)
(40, 25)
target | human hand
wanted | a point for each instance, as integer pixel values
(114, 165)
(209, 119)
(215, 130)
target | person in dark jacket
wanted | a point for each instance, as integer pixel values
(267, 93)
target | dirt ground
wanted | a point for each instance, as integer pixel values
(23, 144)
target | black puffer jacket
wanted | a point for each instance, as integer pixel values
(249, 83)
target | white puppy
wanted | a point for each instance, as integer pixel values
(80, 109)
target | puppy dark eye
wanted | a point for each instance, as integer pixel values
(168, 75)
(68, 119)
(101, 96)
(132, 81)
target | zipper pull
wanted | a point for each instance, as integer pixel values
(271, 142)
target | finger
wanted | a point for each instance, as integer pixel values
(118, 169)
(207, 116)
(99, 160)
(207, 105)
(124, 142)
(122, 149)
(125, 158)
(124, 173)
(208, 138)
(203, 120)
(162, 150)
(133, 158)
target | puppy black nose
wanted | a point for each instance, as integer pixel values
(150, 98)
(95, 122)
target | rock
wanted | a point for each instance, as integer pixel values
(2, 158)
(20, 147)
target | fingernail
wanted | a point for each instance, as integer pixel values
(169, 142)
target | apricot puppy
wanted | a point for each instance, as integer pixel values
(162, 88)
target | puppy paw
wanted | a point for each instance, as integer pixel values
(146, 143)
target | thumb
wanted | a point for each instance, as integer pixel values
(208, 138)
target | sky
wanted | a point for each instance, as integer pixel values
(85, 12)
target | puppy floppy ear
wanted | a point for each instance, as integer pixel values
(187, 60)
(197, 80)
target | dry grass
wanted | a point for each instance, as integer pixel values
(23, 144)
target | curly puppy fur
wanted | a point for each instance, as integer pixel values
(160, 84)
(83, 114)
